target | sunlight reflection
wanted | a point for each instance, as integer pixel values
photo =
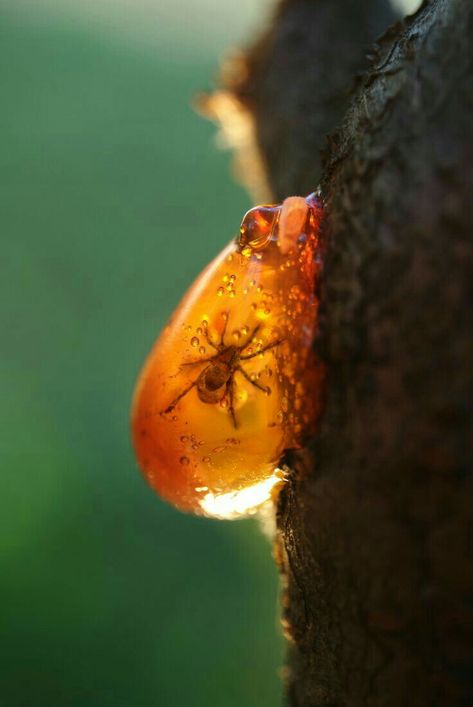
(238, 503)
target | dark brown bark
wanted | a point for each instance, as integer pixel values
(297, 81)
(375, 524)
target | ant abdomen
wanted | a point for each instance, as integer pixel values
(212, 382)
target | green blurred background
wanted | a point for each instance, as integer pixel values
(113, 197)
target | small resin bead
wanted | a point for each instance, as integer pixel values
(229, 384)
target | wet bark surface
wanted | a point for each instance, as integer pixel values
(375, 523)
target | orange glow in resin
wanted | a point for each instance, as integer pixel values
(229, 384)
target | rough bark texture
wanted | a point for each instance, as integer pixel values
(297, 81)
(375, 525)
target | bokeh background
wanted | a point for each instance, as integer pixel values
(113, 197)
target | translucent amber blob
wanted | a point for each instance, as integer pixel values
(229, 383)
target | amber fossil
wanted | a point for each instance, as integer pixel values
(229, 384)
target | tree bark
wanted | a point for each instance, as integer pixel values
(375, 523)
(297, 79)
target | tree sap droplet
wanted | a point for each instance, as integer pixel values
(219, 398)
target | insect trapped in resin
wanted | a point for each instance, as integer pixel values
(228, 385)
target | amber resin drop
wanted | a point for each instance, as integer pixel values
(229, 384)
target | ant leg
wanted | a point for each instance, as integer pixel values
(224, 330)
(264, 388)
(265, 348)
(199, 360)
(229, 395)
(180, 396)
(251, 337)
(208, 339)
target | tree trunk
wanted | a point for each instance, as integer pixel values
(375, 523)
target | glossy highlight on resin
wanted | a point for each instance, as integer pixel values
(229, 384)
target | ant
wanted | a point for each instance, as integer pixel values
(216, 381)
